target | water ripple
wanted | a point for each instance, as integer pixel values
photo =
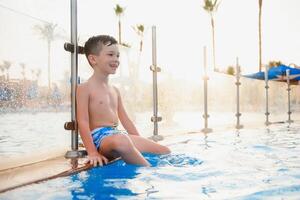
(175, 160)
(275, 192)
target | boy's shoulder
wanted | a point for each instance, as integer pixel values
(115, 88)
(83, 88)
(84, 85)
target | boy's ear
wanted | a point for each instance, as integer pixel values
(92, 59)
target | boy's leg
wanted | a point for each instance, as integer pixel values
(146, 145)
(121, 145)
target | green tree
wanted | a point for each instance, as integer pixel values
(230, 70)
(211, 6)
(47, 31)
(274, 63)
(259, 33)
(119, 11)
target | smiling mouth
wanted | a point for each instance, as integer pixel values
(114, 66)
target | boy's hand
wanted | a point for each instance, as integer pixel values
(96, 158)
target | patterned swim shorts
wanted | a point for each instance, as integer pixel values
(100, 133)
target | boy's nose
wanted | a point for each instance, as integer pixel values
(116, 62)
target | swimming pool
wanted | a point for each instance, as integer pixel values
(247, 164)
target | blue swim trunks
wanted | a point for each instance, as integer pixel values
(100, 133)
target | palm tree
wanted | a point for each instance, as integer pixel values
(211, 7)
(47, 32)
(139, 29)
(119, 11)
(259, 33)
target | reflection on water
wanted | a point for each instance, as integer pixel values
(261, 165)
(24, 133)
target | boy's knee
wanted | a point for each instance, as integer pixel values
(121, 143)
(165, 150)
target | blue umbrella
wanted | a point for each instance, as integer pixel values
(280, 72)
(257, 75)
(277, 74)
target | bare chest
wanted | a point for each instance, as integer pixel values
(103, 100)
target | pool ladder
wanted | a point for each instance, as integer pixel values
(70, 47)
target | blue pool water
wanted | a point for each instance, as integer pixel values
(250, 164)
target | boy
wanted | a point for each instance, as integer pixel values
(100, 107)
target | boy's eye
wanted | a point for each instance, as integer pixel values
(111, 54)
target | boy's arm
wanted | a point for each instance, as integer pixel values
(123, 117)
(84, 127)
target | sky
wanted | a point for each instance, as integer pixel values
(183, 29)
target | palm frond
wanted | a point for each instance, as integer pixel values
(211, 5)
(119, 10)
(47, 31)
(139, 29)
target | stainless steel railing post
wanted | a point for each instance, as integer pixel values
(155, 69)
(289, 95)
(205, 80)
(74, 153)
(267, 122)
(74, 73)
(238, 83)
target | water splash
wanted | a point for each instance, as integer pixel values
(175, 160)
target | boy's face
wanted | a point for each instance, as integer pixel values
(108, 59)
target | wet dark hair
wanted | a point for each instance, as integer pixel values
(95, 44)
